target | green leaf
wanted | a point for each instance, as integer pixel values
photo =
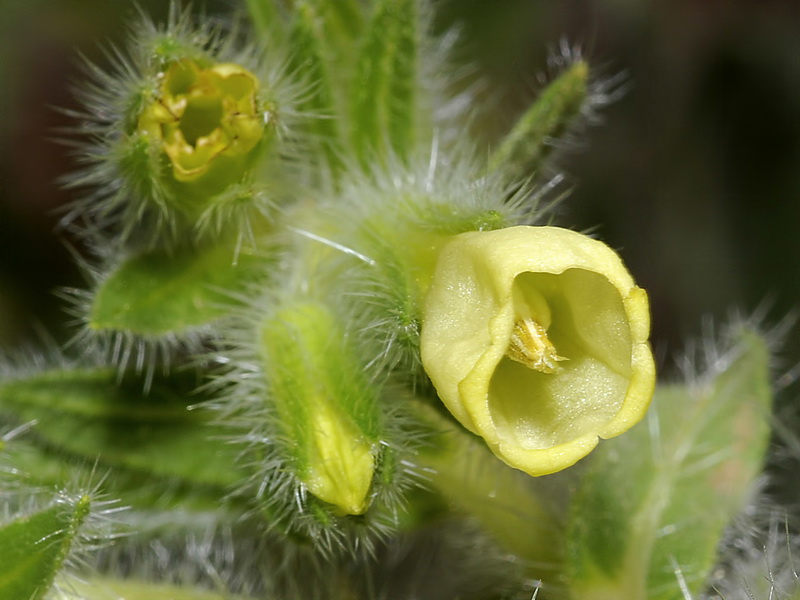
(88, 415)
(308, 59)
(158, 293)
(105, 588)
(266, 18)
(526, 147)
(654, 502)
(384, 88)
(34, 547)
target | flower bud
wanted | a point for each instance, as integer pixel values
(325, 407)
(536, 339)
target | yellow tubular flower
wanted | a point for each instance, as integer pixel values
(536, 339)
(204, 116)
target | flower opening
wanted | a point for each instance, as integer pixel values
(203, 117)
(536, 339)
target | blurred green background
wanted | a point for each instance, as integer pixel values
(694, 174)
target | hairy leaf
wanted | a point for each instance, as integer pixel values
(156, 293)
(35, 546)
(649, 514)
(88, 416)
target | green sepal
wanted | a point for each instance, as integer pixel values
(106, 588)
(158, 293)
(654, 501)
(141, 162)
(35, 546)
(151, 442)
(526, 147)
(384, 88)
(403, 251)
(308, 59)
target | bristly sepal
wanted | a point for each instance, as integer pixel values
(384, 231)
(319, 431)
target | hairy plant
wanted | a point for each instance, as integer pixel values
(331, 346)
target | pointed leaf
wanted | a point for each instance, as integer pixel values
(34, 547)
(384, 86)
(525, 148)
(653, 503)
(158, 293)
(308, 59)
(89, 415)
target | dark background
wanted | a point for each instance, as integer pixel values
(694, 175)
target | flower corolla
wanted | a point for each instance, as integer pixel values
(207, 119)
(536, 339)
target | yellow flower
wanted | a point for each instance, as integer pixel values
(536, 339)
(207, 119)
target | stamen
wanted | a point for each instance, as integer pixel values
(530, 346)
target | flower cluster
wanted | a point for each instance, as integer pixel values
(338, 259)
(328, 346)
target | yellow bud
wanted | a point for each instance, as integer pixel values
(536, 339)
(326, 408)
(206, 119)
(341, 464)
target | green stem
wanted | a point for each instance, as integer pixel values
(502, 499)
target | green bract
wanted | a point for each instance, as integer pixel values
(536, 340)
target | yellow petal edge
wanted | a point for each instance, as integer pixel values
(587, 372)
(201, 115)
